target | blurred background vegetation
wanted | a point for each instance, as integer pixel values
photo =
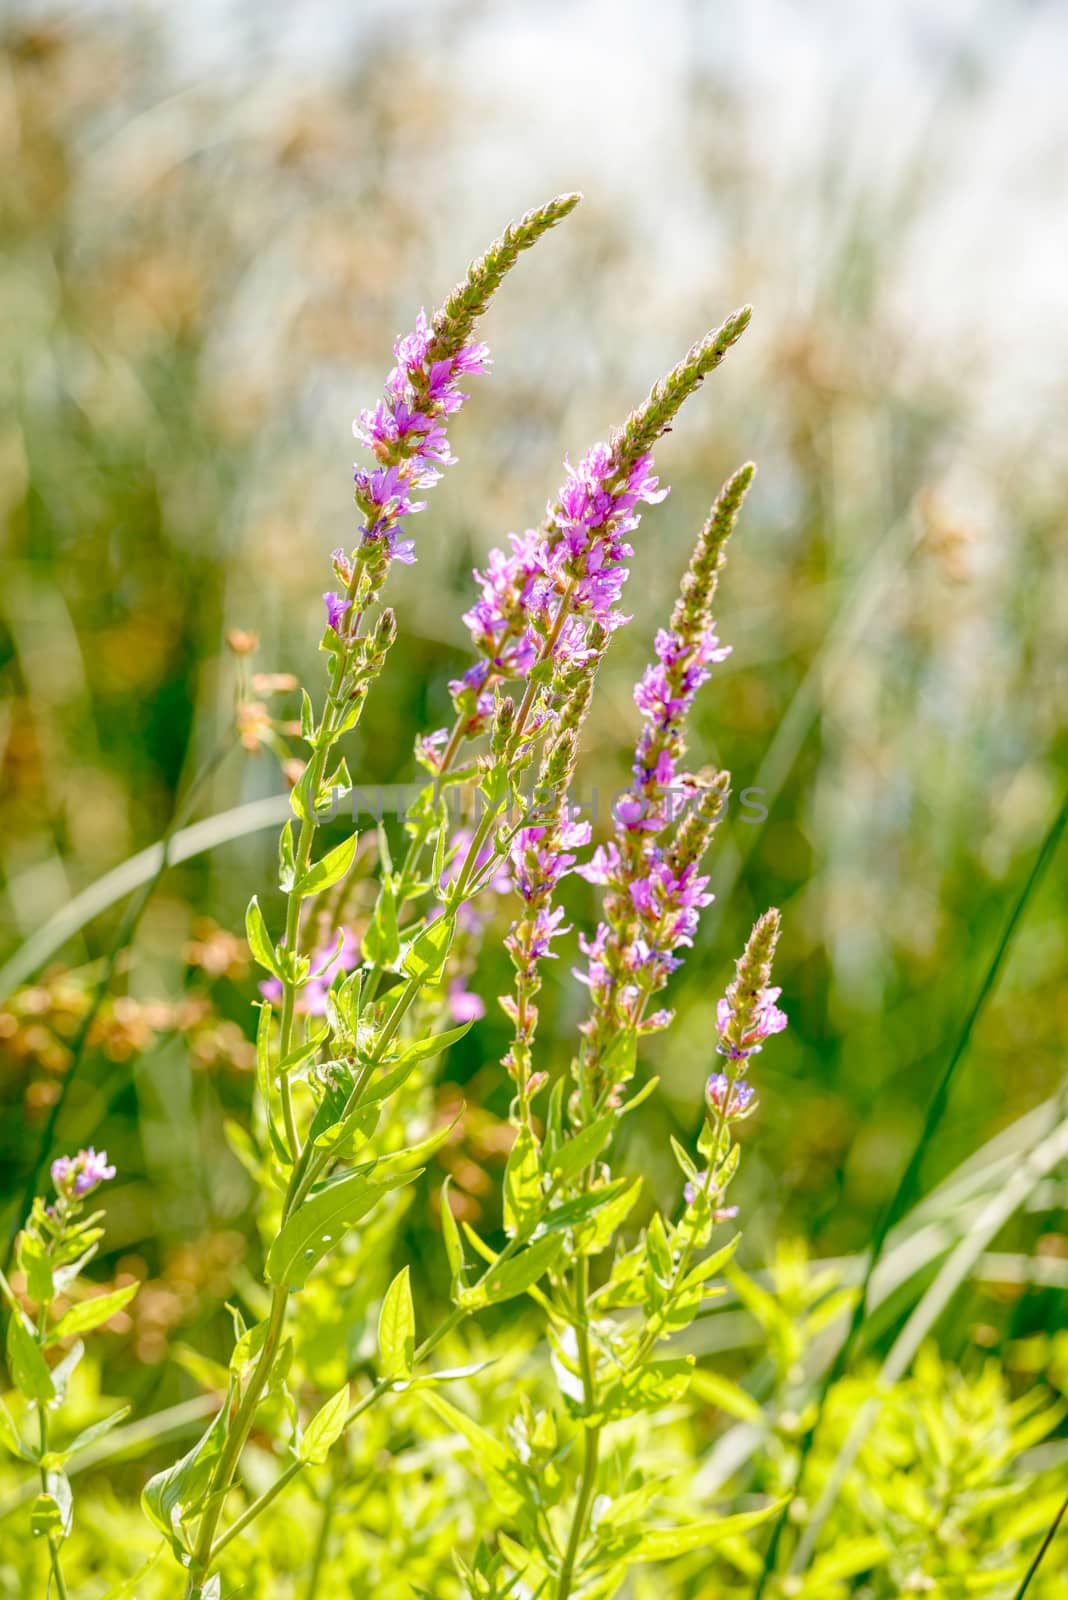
(215, 219)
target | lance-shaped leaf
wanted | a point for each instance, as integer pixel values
(304, 1051)
(425, 956)
(416, 1154)
(259, 940)
(396, 1328)
(435, 1045)
(28, 1366)
(95, 1431)
(381, 942)
(514, 1276)
(325, 1428)
(173, 1496)
(450, 1233)
(493, 1460)
(660, 1544)
(10, 1437)
(576, 1154)
(309, 1233)
(89, 1314)
(656, 1384)
(523, 1199)
(596, 1235)
(328, 870)
(36, 1264)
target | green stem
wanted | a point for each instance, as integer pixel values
(591, 1444)
(237, 1435)
(373, 1395)
(53, 1542)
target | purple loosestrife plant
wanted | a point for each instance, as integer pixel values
(57, 1243)
(345, 1023)
(605, 1326)
(315, 1109)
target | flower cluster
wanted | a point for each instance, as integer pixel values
(747, 1013)
(554, 583)
(541, 856)
(745, 1017)
(654, 889)
(406, 434)
(76, 1176)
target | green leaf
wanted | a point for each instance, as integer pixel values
(653, 1386)
(249, 1346)
(581, 1206)
(578, 1153)
(328, 870)
(174, 1495)
(52, 1512)
(96, 1430)
(259, 941)
(454, 1249)
(287, 866)
(516, 1275)
(29, 1369)
(307, 717)
(620, 1057)
(436, 1045)
(303, 1052)
(309, 1233)
(660, 1544)
(211, 1375)
(35, 1262)
(425, 956)
(491, 1456)
(716, 1390)
(597, 1234)
(396, 1328)
(658, 1251)
(325, 1428)
(90, 1314)
(684, 1159)
(381, 942)
(64, 1370)
(416, 1154)
(523, 1199)
(704, 1269)
(11, 1438)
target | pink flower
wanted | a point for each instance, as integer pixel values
(464, 1004)
(76, 1176)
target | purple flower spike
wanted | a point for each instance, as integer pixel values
(76, 1176)
(762, 1019)
(406, 434)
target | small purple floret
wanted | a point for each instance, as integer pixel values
(336, 607)
(76, 1176)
